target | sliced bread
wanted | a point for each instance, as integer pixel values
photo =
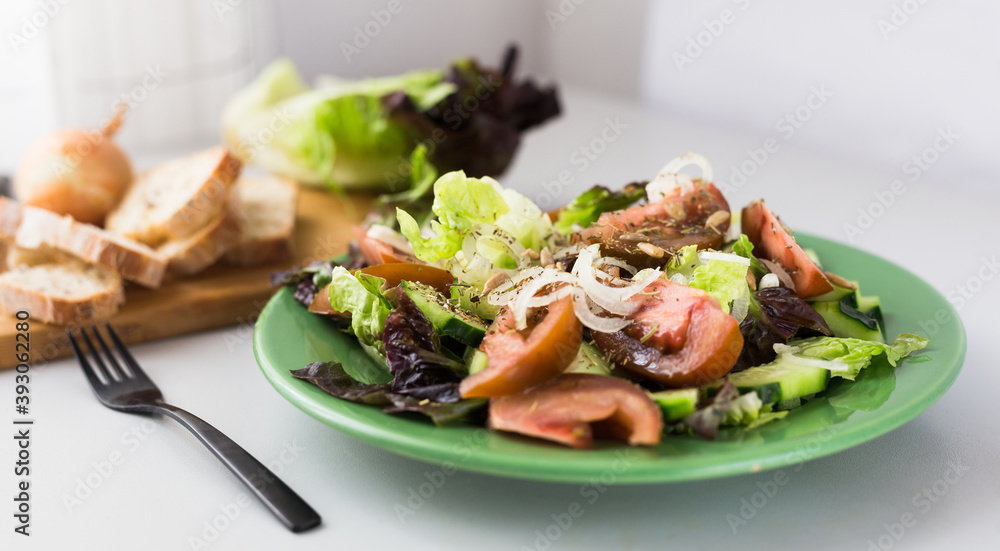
(17, 256)
(200, 250)
(177, 198)
(132, 260)
(62, 293)
(268, 203)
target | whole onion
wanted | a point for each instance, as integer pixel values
(76, 172)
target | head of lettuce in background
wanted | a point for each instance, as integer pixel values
(360, 134)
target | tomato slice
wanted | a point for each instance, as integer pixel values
(517, 360)
(574, 407)
(375, 251)
(395, 272)
(772, 242)
(678, 337)
(680, 219)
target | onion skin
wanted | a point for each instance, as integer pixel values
(76, 172)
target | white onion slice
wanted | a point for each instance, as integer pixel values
(705, 256)
(679, 279)
(521, 304)
(589, 319)
(670, 176)
(617, 262)
(390, 237)
(611, 299)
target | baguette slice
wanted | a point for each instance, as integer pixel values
(62, 293)
(134, 261)
(16, 256)
(177, 198)
(268, 203)
(199, 251)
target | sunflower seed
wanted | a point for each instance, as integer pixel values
(497, 280)
(652, 250)
(717, 218)
(839, 281)
(674, 210)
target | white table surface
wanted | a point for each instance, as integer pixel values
(167, 488)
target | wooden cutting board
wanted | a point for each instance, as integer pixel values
(218, 297)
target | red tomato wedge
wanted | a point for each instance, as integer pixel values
(679, 220)
(772, 242)
(574, 407)
(517, 360)
(679, 337)
(395, 272)
(375, 251)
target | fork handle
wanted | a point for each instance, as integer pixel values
(290, 509)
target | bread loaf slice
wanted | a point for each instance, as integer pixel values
(199, 251)
(62, 293)
(177, 198)
(134, 261)
(268, 203)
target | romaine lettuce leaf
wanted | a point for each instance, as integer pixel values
(361, 296)
(854, 354)
(724, 280)
(359, 133)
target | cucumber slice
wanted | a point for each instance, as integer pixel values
(781, 380)
(589, 360)
(676, 404)
(844, 325)
(835, 295)
(468, 299)
(475, 360)
(447, 319)
(868, 304)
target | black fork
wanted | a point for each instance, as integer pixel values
(123, 386)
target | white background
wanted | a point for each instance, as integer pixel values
(891, 96)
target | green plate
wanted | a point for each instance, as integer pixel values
(287, 337)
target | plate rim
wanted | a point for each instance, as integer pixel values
(336, 413)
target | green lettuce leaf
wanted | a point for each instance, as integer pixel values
(524, 220)
(854, 354)
(743, 247)
(684, 262)
(360, 133)
(724, 280)
(460, 203)
(361, 296)
(743, 410)
(587, 207)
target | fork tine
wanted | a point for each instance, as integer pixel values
(133, 365)
(97, 357)
(88, 369)
(112, 361)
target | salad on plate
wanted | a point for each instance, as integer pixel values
(631, 314)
